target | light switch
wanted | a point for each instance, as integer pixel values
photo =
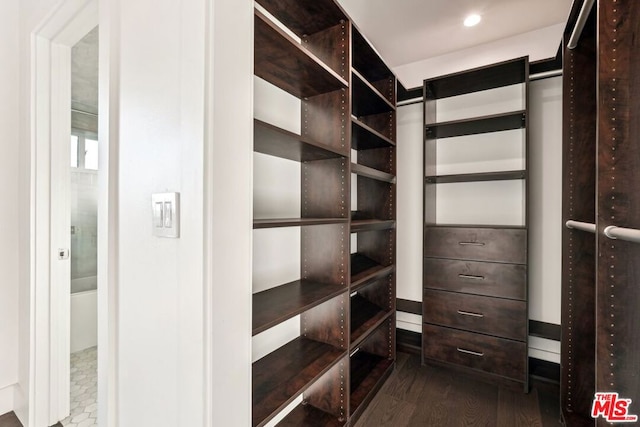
(158, 213)
(166, 214)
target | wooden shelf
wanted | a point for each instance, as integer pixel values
(508, 227)
(282, 61)
(477, 125)
(367, 100)
(483, 78)
(371, 224)
(365, 317)
(274, 141)
(477, 177)
(278, 304)
(310, 416)
(296, 222)
(367, 61)
(368, 372)
(364, 269)
(364, 137)
(368, 172)
(282, 375)
(305, 17)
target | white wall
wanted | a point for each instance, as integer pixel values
(545, 186)
(161, 140)
(9, 215)
(539, 44)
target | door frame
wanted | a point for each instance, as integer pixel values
(50, 126)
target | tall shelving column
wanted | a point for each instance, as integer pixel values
(475, 309)
(577, 383)
(373, 167)
(313, 367)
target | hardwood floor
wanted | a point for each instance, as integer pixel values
(425, 396)
(10, 420)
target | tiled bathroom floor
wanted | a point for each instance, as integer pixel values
(84, 390)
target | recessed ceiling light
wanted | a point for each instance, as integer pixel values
(472, 20)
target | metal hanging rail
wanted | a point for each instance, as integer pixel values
(580, 22)
(628, 234)
(584, 226)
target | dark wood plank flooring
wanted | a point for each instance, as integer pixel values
(425, 396)
(10, 420)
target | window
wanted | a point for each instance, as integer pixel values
(84, 150)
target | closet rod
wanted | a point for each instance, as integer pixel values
(584, 226)
(582, 19)
(628, 234)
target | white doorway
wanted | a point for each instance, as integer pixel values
(50, 344)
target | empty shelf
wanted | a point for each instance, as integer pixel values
(368, 372)
(295, 222)
(372, 173)
(274, 141)
(278, 304)
(364, 137)
(364, 269)
(282, 61)
(283, 374)
(365, 317)
(475, 177)
(477, 125)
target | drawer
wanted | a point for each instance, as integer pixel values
(489, 354)
(475, 277)
(477, 244)
(495, 316)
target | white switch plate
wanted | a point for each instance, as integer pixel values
(165, 211)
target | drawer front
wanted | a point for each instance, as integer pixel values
(476, 244)
(474, 277)
(488, 354)
(495, 316)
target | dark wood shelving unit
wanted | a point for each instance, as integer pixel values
(364, 269)
(274, 141)
(310, 416)
(477, 125)
(372, 173)
(460, 259)
(367, 100)
(278, 304)
(484, 78)
(477, 177)
(331, 69)
(295, 222)
(371, 362)
(366, 316)
(282, 61)
(371, 225)
(364, 137)
(286, 372)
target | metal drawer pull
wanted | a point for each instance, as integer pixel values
(468, 313)
(473, 353)
(470, 276)
(471, 243)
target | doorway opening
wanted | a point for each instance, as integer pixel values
(83, 195)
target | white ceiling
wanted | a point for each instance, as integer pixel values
(408, 31)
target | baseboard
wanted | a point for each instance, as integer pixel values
(6, 399)
(543, 375)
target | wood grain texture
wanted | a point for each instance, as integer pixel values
(477, 125)
(478, 278)
(618, 266)
(420, 396)
(493, 355)
(476, 244)
(577, 382)
(488, 315)
(482, 78)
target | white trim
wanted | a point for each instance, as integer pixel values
(108, 221)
